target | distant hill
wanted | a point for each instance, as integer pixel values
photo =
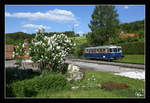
(17, 37)
(132, 27)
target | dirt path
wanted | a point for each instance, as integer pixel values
(117, 70)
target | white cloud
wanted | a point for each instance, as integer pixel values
(36, 26)
(126, 7)
(54, 15)
(76, 25)
(25, 31)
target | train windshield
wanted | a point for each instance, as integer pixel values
(113, 50)
(119, 50)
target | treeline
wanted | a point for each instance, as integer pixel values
(18, 37)
(132, 27)
(133, 48)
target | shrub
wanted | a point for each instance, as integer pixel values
(28, 88)
(133, 47)
(9, 92)
(15, 74)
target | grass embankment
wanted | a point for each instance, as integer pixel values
(140, 59)
(55, 86)
(91, 88)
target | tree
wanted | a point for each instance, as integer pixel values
(77, 35)
(140, 33)
(103, 25)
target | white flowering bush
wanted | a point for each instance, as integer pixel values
(50, 51)
(19, 51)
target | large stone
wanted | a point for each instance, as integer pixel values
(74, 72)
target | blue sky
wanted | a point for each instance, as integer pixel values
(60, 18)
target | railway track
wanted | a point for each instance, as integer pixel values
(129, 65)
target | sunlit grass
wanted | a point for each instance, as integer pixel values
(93, 91)
(133, 59)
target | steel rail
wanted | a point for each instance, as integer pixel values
(130, 65)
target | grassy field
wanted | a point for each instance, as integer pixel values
(92, 90)
(50, 86)
(140, 59)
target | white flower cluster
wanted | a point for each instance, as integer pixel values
(139, 93)
(92, 78)
(52, 50)
(19, 51)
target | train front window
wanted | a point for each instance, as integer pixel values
(119, 50)
(115, 50)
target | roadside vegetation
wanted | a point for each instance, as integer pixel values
(54, 85)
(139, 59)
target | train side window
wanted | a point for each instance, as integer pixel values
(110, 50)
(104, 50)
(97, 51)
(101, 50)
(87, 51)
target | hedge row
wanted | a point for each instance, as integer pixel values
(133, 47)
(31, 87)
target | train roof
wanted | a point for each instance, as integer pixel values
(98, 47)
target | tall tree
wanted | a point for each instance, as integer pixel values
(103, 25)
